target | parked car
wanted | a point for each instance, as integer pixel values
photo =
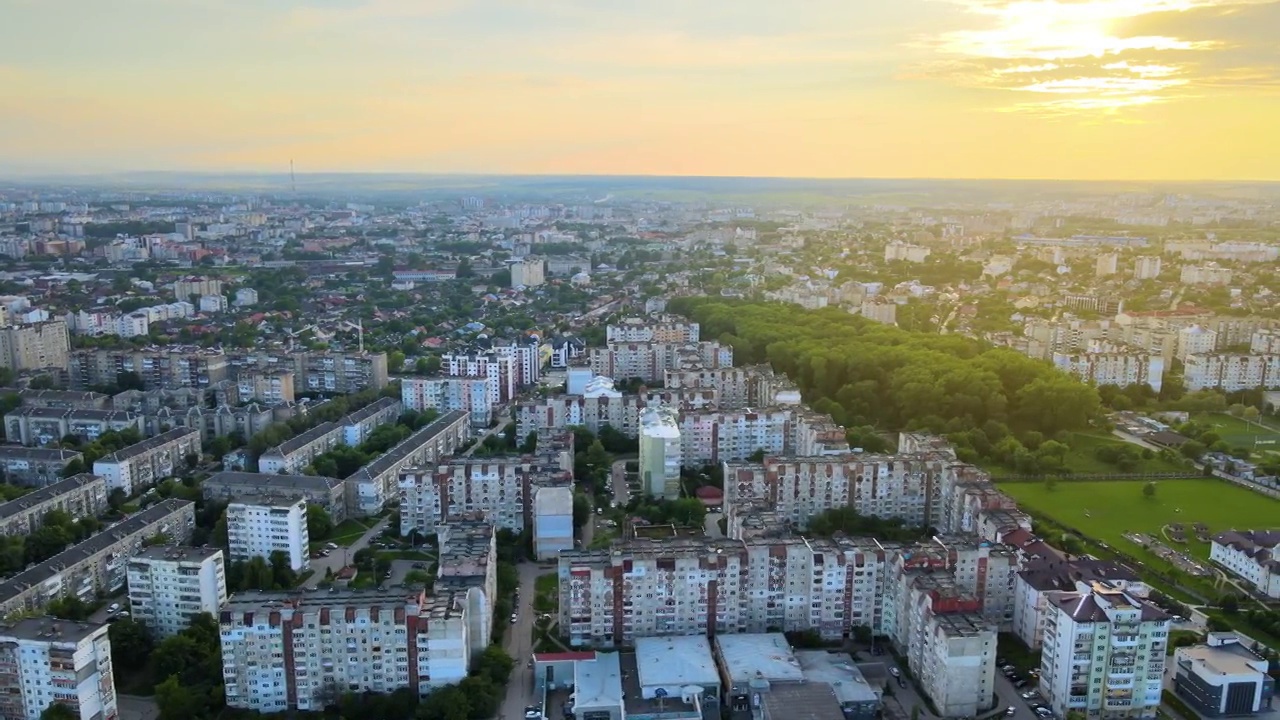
(113, 608)
(514, 618)
(1011, 710)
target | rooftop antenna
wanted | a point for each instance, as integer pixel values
(293, 179)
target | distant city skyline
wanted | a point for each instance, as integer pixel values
(1069, 89)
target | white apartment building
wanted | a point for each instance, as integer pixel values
(45, 661)
(213, 303)
(527, 272)
(1265, 342)
(144, 464)
(1205, 275)
(660, 450)
(662, 329)
(169, 585)
(905, 252)
(716, 437)
(475, 396)
(1106, 265)
(1147, 267)
(187, 287)
(257, 530)
(1251, 555)
(592, 412)
(735, 387)
(650, 360)
(294, 454)
(469, 567)
(1114, 368)
(552, 521)
(246, 297)
(500, 369)
(1041, 576)
(499, 489)
(1104, 654)
(1231, 373)
(283, 651)
(1196, 340)
(371, 487)
(79, 496)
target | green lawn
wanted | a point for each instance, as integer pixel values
(348, 531)
(1238, 432)
(1105, 509)
(1081, 460)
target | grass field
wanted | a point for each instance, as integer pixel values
(1081, 460)
(1238, 432)
(1105, 509)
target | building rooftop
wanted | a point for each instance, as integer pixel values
(257, 601)
(268, 483)
(368, 411)
(96, 415)
(598, 682)
(46, 493)
(1054, 574)
(407, 446)
(49, 568)
(36, 397)
(806, 701)
(1232, 659)
(38, 454)
(149, 444)
(301, 440)
(553, 501)
(839, 671)
(177, 553)
(50, 629)
(673, 662)
(758, 656)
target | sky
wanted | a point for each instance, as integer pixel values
(1069, 89)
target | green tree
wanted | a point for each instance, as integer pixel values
(131, 643)
(495, 664)
(1149, 490)
(530, 444)
(177, 701)
(319, 524)
(581, 510)
(59, 711)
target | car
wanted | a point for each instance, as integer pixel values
(1034, 672)
(1011, 710)
(1030, 694)
(894, 672)
(1001, 662)
(1020, 684)
(514, 618)
(1044, 712)
(113, 608)
(122, 614)
(1007, 667)
(332, 546)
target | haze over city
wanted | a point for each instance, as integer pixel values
(1096, 89)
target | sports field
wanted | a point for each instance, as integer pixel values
(1104, 509)
(1238, 432)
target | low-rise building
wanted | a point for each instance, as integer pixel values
(35, 466)
(97, 565)
(1252, 555)
(259, 488)
(46, 660)
(751, 658)
(79, 496)
(170, 585)
(836, 672)
(41, 426)
(258, 530)
(1223, 678)
(294, 454)
(144, 464)
(665, 666)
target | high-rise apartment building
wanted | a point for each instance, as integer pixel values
(499, 489)
(273, 387)
(475, 396)
(46, 661)
(664, 329)
(170, 585)
(258, 530)
(38, 346)
(1147, 267)
(649, 361)
(499, 368)
(660, 452)
(528, 271)
(1114, 368)
(165, 368)
(1104, 654)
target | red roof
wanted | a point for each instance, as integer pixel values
(708, 492)
(565, 656)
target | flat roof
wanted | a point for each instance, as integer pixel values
(806, 701)
(553, 501)
(598, 682)
(47, 493)
(50, 629)
(839, 671)
(177, 553)
(675, 661)
(256, 601)
(1231, 659)
(150, 443)
(758, 656)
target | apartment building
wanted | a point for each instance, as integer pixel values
(527, 272)
(666, 329)
(1205, 275)
(285, 651)
(96, 565)
(358, 425)
(159, 368)
(499, 489)
(198, 286)
(273, 387)
(339, 373)
(735, 387)
(144, 464)
(649, 361)
(294, 454)
(1114, 368)
(879, 309)
(46, 661)
(527, 354)
(913, 487)
(79, 496)
(170, 585)
(41, 426)
(1265, 342)
(65, 399)
(475, 396)
(1042, 576)
(1196, 340)
(565, 350)
(37, 346)
(1104, 654)
(468, 566)
(717, 437)
(905, 252)
(562, 411)
(500, 369)
(265, 488)
(552, 521)
(1231, 373)
(815, 434)
(660, 452)
(372, 486)
(1252, 555)
(34, 466)
(258, 528)
(1147, 267)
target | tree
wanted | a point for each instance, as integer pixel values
(319, 524)
(495, 664)
(530, 444)
(178, 702)
(59, 711)
(117, 498)
(131, 643)
(1149, 490)
(282, 573)
(581, 510)
(1192, 449)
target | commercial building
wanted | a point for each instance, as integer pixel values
(79, 496)
(527, 272)
(661, 329)
(552, 521)
(283, 651)
(45, 660)
(1251, 555)
(474, 396)
(751, 660)
(258, 528)
(34, 466)
(144, 464)
(38, 346)
(1104, 654)
(259, 488)
(96, 565)
(660, 452)
(170, 585)
(41, 426)
(665, 666)
(499, 489)
(1223, 678)
(372, 486)
(835, 673)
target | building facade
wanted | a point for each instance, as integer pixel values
(79, 496)
(170, 585)
(475, 396)
(144, 464)
(44, 661)
(258, 530)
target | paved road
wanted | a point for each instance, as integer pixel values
(135, 707)
(518, 643)
(618, 481)
(342, 556)
(491, 431)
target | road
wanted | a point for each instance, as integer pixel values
(342, 556)
(518, 642)
(618, 481)
(491, 431)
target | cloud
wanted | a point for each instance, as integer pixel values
(1109, 55)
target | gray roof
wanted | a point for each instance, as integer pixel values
(98, 415)
(368, 411)
(406, 447)
(150, 443)
(61, 396)
(758, 656)
(50, 629)
(94, 545)
(808, 701)
(270, 482)
(675, 661)
(839, 671)
(177, 553)
(256, 601)
(1056, 574)
(45, 494)
(38, 454)
(301, 440)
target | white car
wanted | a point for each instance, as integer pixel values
(113, 608)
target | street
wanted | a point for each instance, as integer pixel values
(342, 556)
(618, 482)
(496, 429)
(518, 643)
